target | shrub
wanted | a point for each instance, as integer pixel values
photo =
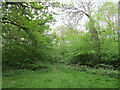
(101, 71)
(83, 58)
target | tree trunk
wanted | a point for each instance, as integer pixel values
(96, 41)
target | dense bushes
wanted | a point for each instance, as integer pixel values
(101, 70)
(16, 55)
(83, 58)
(86, 59)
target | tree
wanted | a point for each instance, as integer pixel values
(31, 17)
(25, 40)
(98, 30)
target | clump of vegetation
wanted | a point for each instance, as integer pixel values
(100, 70)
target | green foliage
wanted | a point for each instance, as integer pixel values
(36, 66)
(29, 19)
(18, 55)
(32, 49)
(83, 58)
(25, 40)
(102, 70)
(100, 39)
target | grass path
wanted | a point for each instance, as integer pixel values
(59, 77)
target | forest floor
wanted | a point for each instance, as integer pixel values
(58, 77)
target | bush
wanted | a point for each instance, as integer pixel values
(101, 71)
(18, 56)
(36, 66)
(83, 58)
(61, 61)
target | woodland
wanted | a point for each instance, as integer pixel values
(55, 44)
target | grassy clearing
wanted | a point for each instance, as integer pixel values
(59, 77)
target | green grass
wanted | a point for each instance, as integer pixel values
(59, 77)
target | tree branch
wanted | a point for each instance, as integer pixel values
(16, 25)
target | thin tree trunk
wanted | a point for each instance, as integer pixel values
(95, 39)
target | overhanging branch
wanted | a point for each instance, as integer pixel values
(16, 25)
